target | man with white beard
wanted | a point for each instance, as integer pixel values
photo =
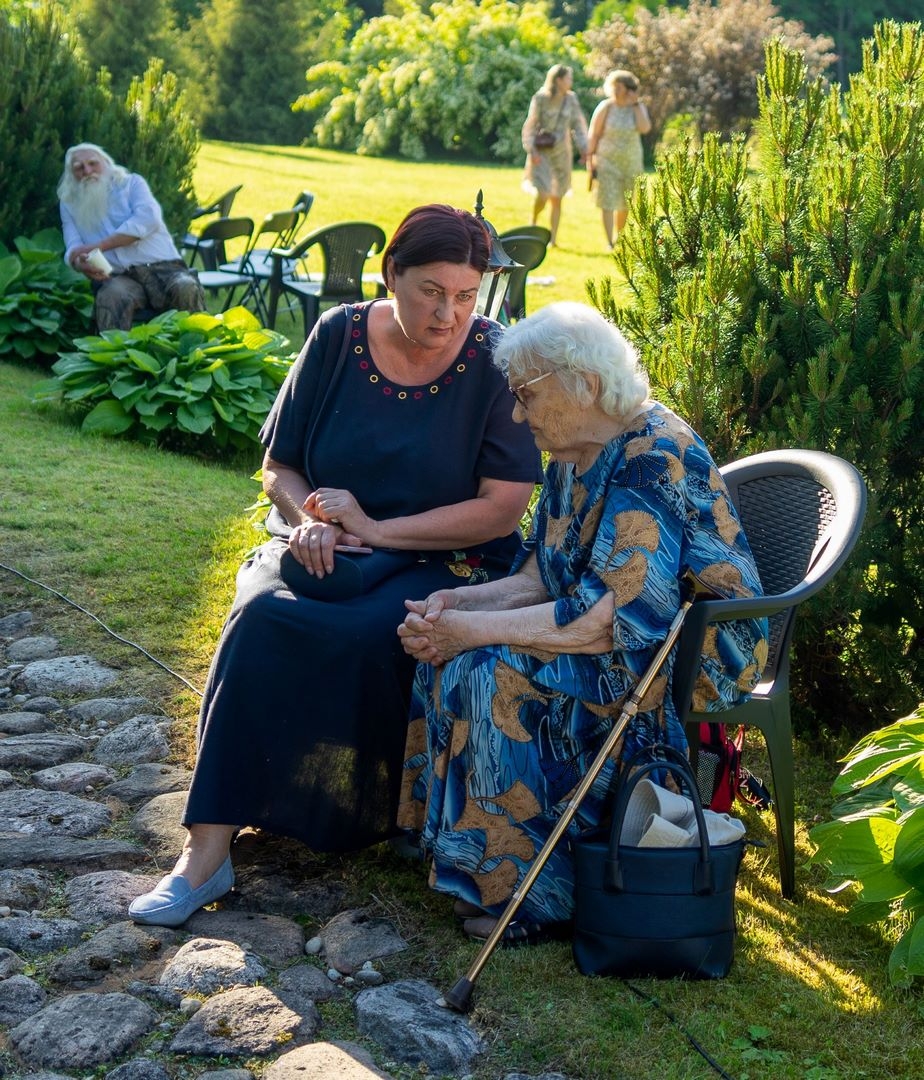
(104, 207)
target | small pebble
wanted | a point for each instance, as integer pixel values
(4, 911)
(313, 947)
(190, 1005)
(334, 975)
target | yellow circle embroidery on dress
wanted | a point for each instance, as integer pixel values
(434, 389)
(402, 394)
(373, 378)
(479, 337)
(460, 367)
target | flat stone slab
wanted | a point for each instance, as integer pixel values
(108, 710)
(352, 938)
(51, 813)
(24, 723)
(40, 751)
(81, 1031)
(25, 649)
(205, 966)
(16, 624)
(117, 948)
(104, 895)
(325, 1061)
(73, 776)
(405, 1020)
(63, 853)
(241, 1023)
(147, 781)
(140, 739)
(20, 997)
(30, 936)
(66, 675)
(25, 888)
(272, 937)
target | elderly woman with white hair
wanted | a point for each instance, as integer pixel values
(520, 679)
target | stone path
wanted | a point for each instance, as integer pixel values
(83, 989)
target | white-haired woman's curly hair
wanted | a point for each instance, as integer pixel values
(575, 341)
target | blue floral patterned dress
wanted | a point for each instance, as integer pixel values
(501, 736)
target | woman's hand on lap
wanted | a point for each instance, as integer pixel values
(339, 507)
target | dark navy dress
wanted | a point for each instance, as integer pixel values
(304, 719)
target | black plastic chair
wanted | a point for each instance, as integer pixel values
(239, 276)
(280, 226)
(540, 232)
(528, 251)
(802, 511)
(344, 247)
(221, 205)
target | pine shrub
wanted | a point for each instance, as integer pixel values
(779, 301)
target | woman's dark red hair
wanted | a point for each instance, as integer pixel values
(438, 233)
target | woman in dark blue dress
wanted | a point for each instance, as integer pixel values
(409, 447)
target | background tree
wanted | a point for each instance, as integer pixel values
(847, 23)
(700, 61)
(50, 99)
(457, 78)
(124, 36)
(786, 308)
(245, 65)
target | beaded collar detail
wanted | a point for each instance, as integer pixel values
(413, 393)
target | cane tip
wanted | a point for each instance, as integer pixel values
(459, 997)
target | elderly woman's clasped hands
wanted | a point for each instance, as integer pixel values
(433, 633)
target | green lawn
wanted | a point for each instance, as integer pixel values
(150, 541)
(351, 188)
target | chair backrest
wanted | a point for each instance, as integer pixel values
(223, 229)
(303, 204)
(281, 225)
(801, 511)
(345, 247)
(220, 205)
(540, 232)
(528, 251)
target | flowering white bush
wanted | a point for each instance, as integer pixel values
(703, 60)
(458, 77)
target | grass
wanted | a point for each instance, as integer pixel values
(150, 542)
(352, 188)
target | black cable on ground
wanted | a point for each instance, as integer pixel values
(704, 1054)
(109, 630)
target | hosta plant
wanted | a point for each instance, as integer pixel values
(43, 302)
(876, 840)
(182, 381)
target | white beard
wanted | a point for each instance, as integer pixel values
(88, 202)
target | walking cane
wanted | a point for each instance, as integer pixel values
(460, 996)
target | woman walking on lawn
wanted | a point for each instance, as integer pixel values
(393, 431)
(554, 120)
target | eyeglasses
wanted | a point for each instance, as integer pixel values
(515, 390)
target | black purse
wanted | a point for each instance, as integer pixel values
(655, 911)
(353, 575)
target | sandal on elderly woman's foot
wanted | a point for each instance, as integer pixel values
(517, 932)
